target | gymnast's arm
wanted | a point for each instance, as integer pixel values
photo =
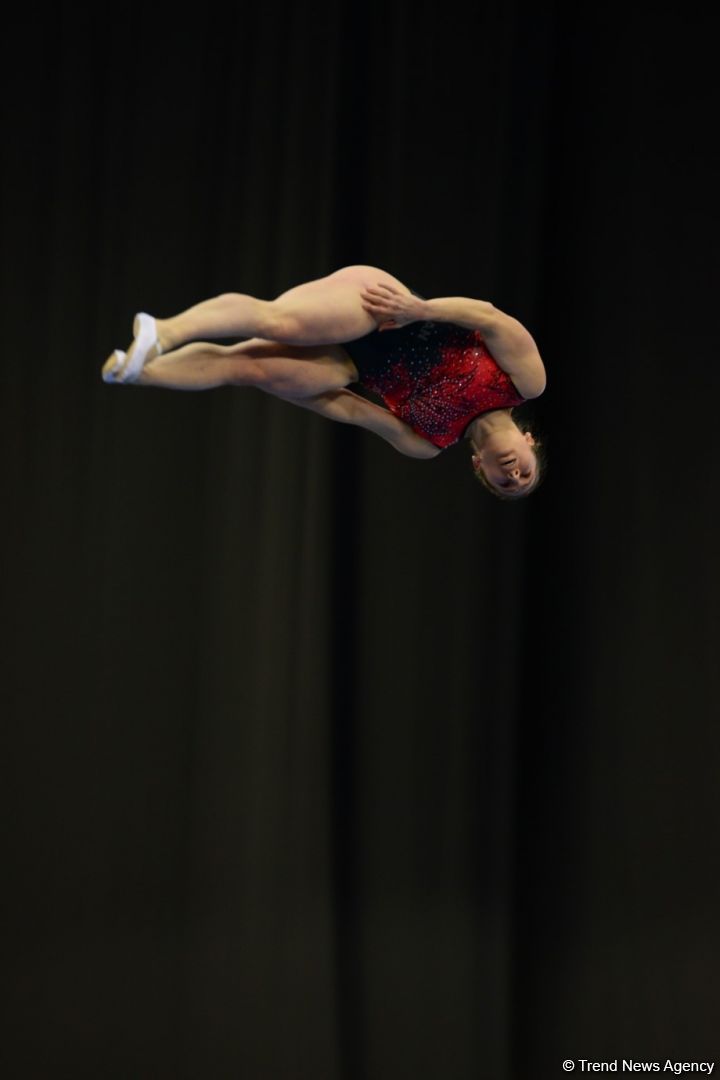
(350, 408)
(512, 346)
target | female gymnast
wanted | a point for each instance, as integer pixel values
(444, 368)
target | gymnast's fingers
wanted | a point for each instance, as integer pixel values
(375, 295)
(378, 303)
(381, 290)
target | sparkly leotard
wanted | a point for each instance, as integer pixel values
(437, 377)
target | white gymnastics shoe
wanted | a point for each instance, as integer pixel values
(145, 342)
(113, 365)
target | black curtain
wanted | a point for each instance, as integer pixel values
(320, 762)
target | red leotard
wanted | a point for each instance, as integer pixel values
(437, 377)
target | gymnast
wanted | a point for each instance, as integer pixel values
(445, 368)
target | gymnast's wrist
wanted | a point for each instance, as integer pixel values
(435, 310)
(459, 309)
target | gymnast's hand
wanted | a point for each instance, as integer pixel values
(392, 308)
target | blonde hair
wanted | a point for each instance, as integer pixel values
(540, 468)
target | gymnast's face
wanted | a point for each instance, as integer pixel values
(508, 461)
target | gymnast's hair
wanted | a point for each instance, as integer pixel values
(540, 469)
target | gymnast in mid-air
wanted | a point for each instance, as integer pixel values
(445, 368)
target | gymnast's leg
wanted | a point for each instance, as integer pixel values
(323, 312)
(278, 369)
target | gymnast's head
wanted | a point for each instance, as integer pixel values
(506, 457)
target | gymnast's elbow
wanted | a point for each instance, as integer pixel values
(416, 447)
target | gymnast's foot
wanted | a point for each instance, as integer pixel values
(112, 366)
(146, 345)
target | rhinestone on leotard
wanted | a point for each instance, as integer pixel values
(437, 377)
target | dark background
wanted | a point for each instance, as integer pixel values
(320, 762)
